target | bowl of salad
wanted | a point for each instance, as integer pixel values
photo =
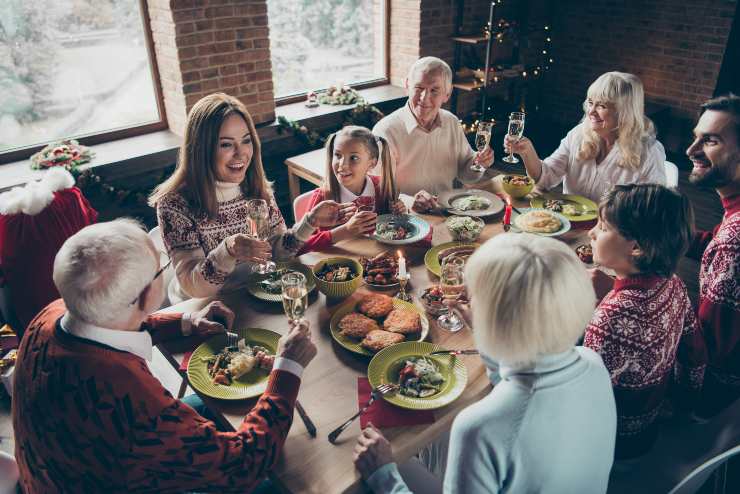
(517, 186)
(464, 228)
(338, 277)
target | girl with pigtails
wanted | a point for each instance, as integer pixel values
(350, 155)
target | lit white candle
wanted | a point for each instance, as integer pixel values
(401, 265)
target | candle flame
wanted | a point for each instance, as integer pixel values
(400, 254)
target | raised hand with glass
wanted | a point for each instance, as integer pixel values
(295, 295)
(482, 139)
(516, 130)
(259, 220)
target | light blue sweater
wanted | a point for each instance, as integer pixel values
(546, 428)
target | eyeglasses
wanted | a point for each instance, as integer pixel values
(156, 275)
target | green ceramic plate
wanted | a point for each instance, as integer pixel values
(352, 344)
(254, 287)
(432, 261)
(588, 208)
(249, 385)
(386, 365)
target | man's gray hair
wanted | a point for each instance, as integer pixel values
(432, 65)
(102, 268)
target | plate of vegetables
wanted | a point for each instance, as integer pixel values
(400, 229)
(575, 208)
(425, 382)
(269, 287)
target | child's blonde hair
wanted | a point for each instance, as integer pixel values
(377, 147)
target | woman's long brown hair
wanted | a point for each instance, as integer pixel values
(195, 174)
(373, 144)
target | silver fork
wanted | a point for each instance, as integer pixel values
(381, 390)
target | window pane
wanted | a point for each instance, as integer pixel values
(70, 68)
(318, 43)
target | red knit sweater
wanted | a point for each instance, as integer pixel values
(89, 418)
(719, 307)
(646, 331)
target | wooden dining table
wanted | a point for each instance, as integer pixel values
(329, 385)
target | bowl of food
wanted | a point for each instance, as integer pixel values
(517, 186)
(432, 299)
(338, 277)
(585, 253)
(464, 228)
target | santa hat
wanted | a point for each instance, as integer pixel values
(36, 195)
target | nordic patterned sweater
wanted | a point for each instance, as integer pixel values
(719, 307)
(646, 332)
(89, 418)
(196, 243)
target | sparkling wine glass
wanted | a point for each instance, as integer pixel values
(482, 138)
(294, 294)
(516, 129)
(452, 285)
(258, 214)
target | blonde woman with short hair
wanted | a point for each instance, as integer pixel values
(549, 425)
(202, 206)
(614, 144)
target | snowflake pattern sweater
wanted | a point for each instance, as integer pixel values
(646, 332)
(94, 419)
(719, 307)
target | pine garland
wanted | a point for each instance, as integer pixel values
(362, 113)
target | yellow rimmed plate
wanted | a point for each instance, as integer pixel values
(386, 365)
(431, 261)
(353, 345)
(254, 279)
(249, 385)
(588, 208)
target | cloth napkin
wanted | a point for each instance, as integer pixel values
(383, 414)
(185, 361)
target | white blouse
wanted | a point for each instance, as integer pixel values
(592, 180)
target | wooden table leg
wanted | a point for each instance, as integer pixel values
(294, 185)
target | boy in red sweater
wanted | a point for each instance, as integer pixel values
(90, 417)
(645, 328)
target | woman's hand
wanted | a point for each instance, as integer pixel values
(372, 451)
(398, 207)
(361, 222)
(329, 213)
(245, 248)
(484, 158)
(424, 201)
(522, 146)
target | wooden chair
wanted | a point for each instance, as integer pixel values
(696, 479)
(156, 235)
(300, 205)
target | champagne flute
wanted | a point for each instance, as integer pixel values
(294, 294)
(482, 138)
(516, 129)
(451, 284)
(258, 214)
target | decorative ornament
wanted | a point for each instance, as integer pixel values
(67, 153)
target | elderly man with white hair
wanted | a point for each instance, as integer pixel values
(427, 143)
(90, 417)
(549, 425)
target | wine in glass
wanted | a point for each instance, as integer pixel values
(294, 294)
(482, 138)
(516, 129)
(258, 214)
(451, 284)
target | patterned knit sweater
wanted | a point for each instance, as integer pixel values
(89, 418)
(646, 332)
(719, 307)
(196, 243)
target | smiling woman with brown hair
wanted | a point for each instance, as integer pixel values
(202, 207)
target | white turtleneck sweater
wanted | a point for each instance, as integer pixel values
(196, 244)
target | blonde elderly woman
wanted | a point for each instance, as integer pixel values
(202, 207)
(428, 146)
(549, 424)
(614, 143)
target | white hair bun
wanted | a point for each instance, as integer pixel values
(36, 195)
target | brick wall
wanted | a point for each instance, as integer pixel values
(675, 47)
(223, 46)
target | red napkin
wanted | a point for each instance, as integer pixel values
(383, 414)
(185, 361)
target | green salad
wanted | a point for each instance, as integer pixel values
(420, 378)
(469, 203)
(464, 228)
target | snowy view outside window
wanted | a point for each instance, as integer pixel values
(315, 44)
(72, 68)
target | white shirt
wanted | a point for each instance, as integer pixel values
(427, 159)
(586, 178)
(346, 195)
(139, 343)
